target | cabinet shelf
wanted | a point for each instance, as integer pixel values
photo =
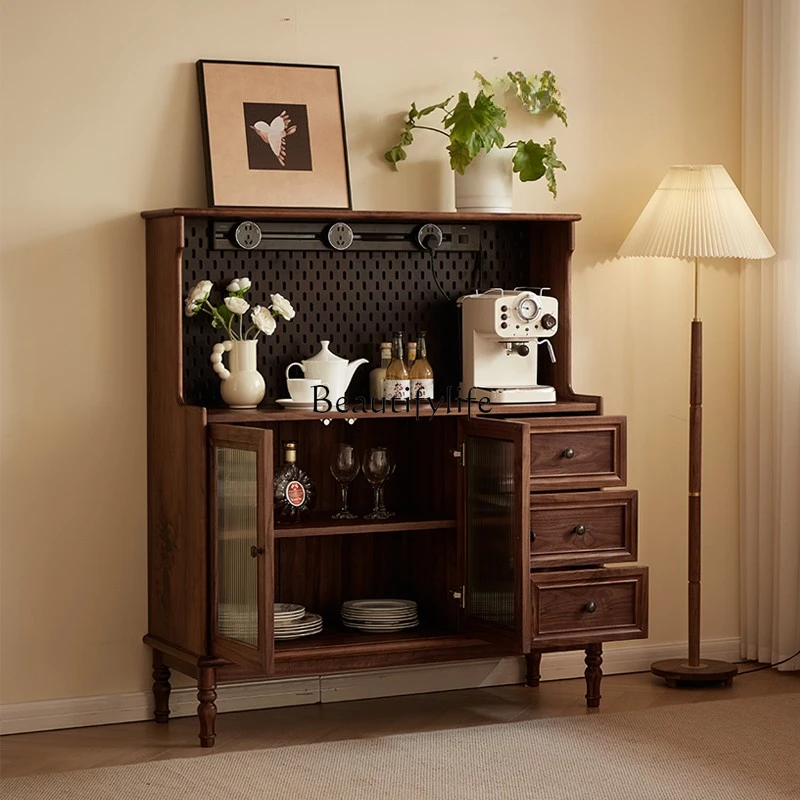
(269, 413)
(320, 524)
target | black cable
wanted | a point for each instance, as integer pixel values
(432, 251)
(769, 666)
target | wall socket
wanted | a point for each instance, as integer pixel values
(429, 237)
(340, 236)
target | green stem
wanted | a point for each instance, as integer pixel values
(435, 130)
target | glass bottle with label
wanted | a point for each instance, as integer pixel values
(295, 493)
(396, 384)
(412, 356)
(377, 375)
(421, 373)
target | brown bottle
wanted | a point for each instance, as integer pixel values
(295, 493)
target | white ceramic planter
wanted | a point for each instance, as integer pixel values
(242, 385)
(486, 184)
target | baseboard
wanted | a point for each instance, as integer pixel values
(137, 706)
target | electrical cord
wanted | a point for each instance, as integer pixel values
(769, 666)
(429, 246)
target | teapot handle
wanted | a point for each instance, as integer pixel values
(295, 364)
(216, 359)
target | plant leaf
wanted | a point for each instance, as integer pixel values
(460, 155)
(484, 84)
(551, 163)
(476, 125)
(397, 153)
(538, 94)
(528, 161)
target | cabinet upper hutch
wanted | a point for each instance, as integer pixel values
(506, 520)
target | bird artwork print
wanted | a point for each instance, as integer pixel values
(274, 134)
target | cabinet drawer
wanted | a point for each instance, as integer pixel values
(571, 529)
(577, 453)
(593, 605)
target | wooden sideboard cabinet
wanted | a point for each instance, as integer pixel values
(505, 520)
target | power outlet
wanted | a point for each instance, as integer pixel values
(429, 237)
(247, 235)
(340, 236)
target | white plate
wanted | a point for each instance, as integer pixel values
(381, 628)
(379, 620)
(296, 404)
(286, 609)
(382, 604)
(285, 636)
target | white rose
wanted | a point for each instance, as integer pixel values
(236, 305)
(199, 294)
(263, 320)
(191, 309)
(281, 306)
(239, 285)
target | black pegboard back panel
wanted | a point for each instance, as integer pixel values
(354, 298)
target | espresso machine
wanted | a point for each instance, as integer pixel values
(501, 331)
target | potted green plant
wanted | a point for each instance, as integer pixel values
(474, 129)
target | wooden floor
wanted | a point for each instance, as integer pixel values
(81, 748)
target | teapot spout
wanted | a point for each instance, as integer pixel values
(352, 367)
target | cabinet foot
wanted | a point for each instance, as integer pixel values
(161, 687)
(532, 673)
(593, 673)
(207, 709)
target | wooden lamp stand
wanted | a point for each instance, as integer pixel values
(677, 671)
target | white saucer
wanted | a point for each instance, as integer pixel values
(289, 403)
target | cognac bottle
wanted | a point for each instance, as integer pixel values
(295, 492)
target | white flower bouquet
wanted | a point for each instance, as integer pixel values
(228, 315)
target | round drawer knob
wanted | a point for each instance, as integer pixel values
(255, 552)
(533, 536)
(590, 607)
(568, 453)
(579, 530)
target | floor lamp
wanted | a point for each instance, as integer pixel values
(696, 213)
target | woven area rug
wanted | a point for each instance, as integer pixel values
(723, 750)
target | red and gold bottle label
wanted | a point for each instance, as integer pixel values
(296, 493)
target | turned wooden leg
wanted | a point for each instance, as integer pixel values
(532, 673)
(593, 673)
(161, 687)
(207, 709)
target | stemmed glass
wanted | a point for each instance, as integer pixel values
(344, 467)
(378, 465)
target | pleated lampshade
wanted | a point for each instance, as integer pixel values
(697, 211)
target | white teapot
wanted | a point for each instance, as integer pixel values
(333, 371)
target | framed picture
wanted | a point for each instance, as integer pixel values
(273, 135)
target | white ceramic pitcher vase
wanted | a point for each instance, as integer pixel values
(242, 384)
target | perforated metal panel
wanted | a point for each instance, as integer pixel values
(355, 298)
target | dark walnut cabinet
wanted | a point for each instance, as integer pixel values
(506, 521)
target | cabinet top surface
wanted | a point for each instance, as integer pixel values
(349, 214)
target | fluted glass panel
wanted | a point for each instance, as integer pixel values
(491, 486)
(237, 535)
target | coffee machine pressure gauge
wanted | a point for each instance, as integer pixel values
(528, 308)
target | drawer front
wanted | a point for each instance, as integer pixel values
(578, 453)
(586, 606)
(572, 529)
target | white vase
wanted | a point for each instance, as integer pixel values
(242, 384)
(486, 184)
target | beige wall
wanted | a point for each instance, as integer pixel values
(100, 121)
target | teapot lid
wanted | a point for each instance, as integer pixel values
(324, 356)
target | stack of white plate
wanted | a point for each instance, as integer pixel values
(380, 615)
(292, 621)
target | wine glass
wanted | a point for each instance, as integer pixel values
(344, 467)
(378, 465)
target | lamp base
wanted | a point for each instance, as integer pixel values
(678, 672)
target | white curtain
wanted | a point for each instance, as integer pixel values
(770, 346)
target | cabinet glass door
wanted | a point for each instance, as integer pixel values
(242, 545)
(494, 523)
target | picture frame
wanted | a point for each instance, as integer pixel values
(273, 135)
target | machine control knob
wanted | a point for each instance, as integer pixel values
(504, 316)
(504, 308)
(524, 350)
(548, 322)
(503, 324)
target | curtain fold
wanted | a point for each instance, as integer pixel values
(770, 345)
